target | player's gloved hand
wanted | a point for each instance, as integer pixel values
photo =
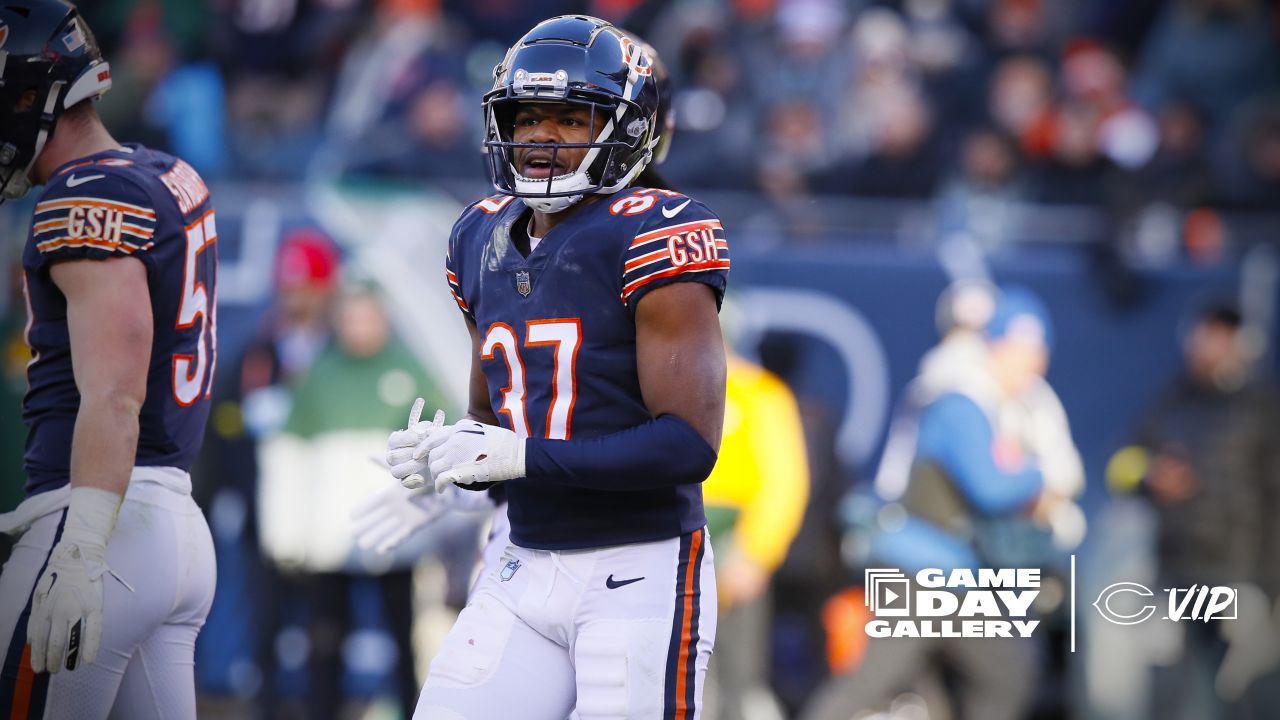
(385, 519)
(402, 446)
(473, 452)
(65, 628)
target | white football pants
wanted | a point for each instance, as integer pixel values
(146, 663)
(617, 632)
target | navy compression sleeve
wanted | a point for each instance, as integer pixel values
(663, 452)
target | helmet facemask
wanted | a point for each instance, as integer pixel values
(47, 65)
(600, 71)
(29, 120)
(604, 168)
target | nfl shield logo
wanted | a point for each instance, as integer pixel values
(510, 570)
(523, 284)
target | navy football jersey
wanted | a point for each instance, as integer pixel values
(138, 203)
(559, 349)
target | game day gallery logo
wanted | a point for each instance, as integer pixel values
(990, 603)
(960, 603)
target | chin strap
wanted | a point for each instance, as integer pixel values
(551, 205)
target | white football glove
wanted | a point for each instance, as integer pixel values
(385, 519)
(473, 452)
(65, 628)
(402, 445)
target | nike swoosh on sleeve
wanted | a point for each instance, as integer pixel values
(74, 181)
(669, 213)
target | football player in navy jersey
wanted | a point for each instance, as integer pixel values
(597, 398)
(113, 574)
(385, 519)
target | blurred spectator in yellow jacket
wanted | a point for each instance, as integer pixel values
(755, 501)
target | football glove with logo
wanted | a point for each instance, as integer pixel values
(471, 452)
(65, 628)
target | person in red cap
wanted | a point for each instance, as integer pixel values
(306, 278)
(291, 335)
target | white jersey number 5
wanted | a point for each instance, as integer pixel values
(197, 307)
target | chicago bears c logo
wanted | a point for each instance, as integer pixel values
(636, 58)
(4, 34)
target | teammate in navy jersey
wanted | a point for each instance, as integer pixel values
(597, 398)
(113, 574)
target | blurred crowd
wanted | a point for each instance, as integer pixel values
(978, 106)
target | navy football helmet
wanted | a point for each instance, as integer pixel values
(49, 61)
(585, 61)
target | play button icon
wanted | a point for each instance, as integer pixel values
(888, 593)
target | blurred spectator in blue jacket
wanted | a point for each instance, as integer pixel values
(990, 486)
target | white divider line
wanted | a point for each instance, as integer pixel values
(1073, 602)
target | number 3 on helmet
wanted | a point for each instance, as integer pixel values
(588, 62)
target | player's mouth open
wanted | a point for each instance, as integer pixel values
(537, 164)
